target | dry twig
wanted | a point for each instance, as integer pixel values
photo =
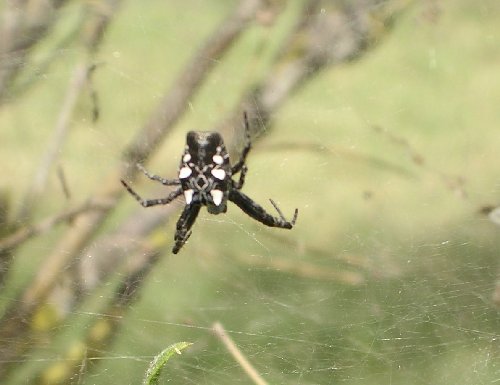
(91, 35)
(455, 183)
(100, 17)
(75, 363)
(23, 234)
(24, 24)
(53, 149)
(305, 269)
(238, 356)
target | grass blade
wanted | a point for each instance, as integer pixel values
(155, 367)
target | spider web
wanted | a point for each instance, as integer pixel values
(390, 275)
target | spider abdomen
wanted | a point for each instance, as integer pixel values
(205, 171)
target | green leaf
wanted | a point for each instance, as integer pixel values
(155, 367)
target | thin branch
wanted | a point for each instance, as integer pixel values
(53, 149)
(176, 101)
(45, 225)
(305, 269)
(238, 356)
(25, 23)
(104, 329)
(336, 34)
(100, 17)
(64, 183)
(98, 21)
(455, 183)
(354, 261)
(495, 296)
(33, 72)
(339, 152)
(6, 227)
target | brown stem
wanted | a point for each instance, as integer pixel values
(25, 23)
(83, 355)
(100, 17)
(238, 356)
(45, 225)
(176, 101)
(53, 149)
(305, 269)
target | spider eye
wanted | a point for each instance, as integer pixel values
(217, 196)
(184, 172)
(219, 173)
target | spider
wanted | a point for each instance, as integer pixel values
(205, 179)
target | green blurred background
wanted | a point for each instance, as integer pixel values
(389, 275)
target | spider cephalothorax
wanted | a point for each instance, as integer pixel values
(205, 179)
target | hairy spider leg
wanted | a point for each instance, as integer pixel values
(258, 213)
(163, 181)
(184, 225)
(294, 219)
(240, 165)
(238, 185)
(152, 202)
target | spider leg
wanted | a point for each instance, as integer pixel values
(238, 185)
(166, 182)
(248, 146)
(184, 225)
(258, 213)
(152, 202)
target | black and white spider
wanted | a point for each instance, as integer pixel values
(205, 178)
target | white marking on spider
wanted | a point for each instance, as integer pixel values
(184, 172)
(217, 196)
(187, 157)
(219, 173)
(218, 159)
(188, 195)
